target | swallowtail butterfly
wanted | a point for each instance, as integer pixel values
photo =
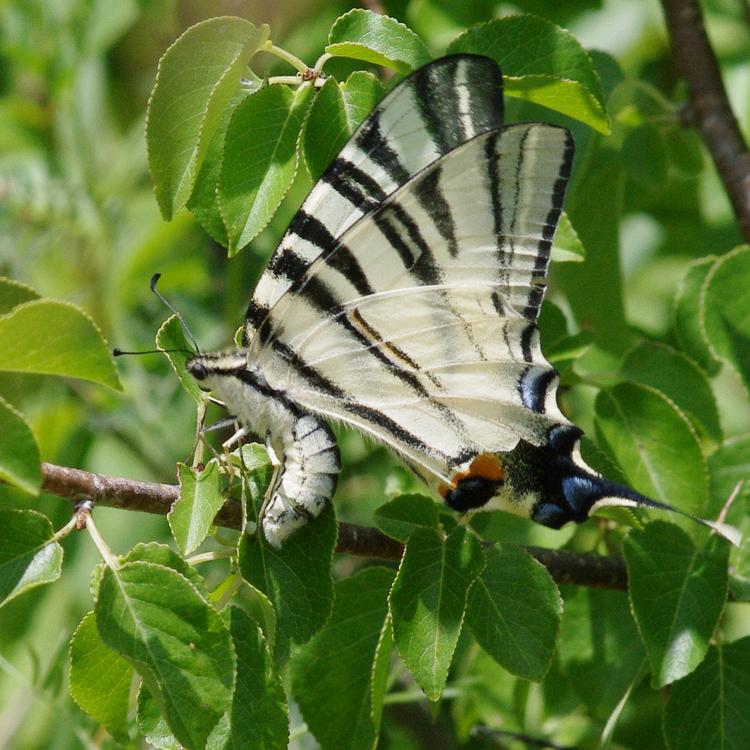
(403, 301)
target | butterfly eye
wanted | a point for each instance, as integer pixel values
(197, 370)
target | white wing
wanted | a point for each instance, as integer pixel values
(419, 326)
(438, 107)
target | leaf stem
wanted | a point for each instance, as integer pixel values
(282, 54)
(218, 554)
(62, 532)
(321, 61)
(231, 587)
(101, 545)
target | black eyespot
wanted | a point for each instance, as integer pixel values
(197, 370)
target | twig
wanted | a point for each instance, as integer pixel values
(711, 111)
(115, 492)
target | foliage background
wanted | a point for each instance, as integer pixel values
(78, 221)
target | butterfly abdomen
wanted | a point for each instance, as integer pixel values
(307, 478)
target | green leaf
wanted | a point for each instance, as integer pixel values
(100, 679)
(335, 114)
(197, 77)
(19, 453)
(55, 338)
(14, 293)
(332, 674)
(677, 593)
(709, 707)
(400, 517)
(152, 724)
(179, 645)
(514, 612)
(687, 315)
(296, 578)
(680, 379)
(260, 159)
(161, 554)
(541, 63)
(428, 600)
(192, 515)
(257, 719)
(567, 246)
(29, 556)
(171, 336)
(655, 446)
(374, 38)
(599, 646)
(203, 203)
(725, 310)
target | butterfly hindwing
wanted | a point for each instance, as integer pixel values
(419, 326)
(428, 114)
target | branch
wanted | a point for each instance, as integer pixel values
(579, 568)
(711, 112)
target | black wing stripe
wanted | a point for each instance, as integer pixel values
(536, 295)
(375, 145)
(433, 201)
(309, 228)
(325, 385)
(344, 178)
(492, 159)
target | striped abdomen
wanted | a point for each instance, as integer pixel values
(307, 478)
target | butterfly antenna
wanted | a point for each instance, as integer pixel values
(117, 352)
(154, 280)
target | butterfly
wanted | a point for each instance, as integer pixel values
(403, 301)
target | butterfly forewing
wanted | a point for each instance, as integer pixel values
(427, 115)
(418, 327)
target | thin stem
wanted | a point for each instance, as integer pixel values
(218, 554)
(296, 80)
(65, 530)
(230, 588)
(321, 61)
(282, 54)
(101, 545)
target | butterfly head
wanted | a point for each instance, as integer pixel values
(211, 369)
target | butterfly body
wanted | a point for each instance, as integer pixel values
(306, 479)
(403, 302)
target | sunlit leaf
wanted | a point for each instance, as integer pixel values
(29, 556)
(100, 679)
(428, 601)
(197, 77)
(678, 592)
(378, 39)
(260, 159)
(200, 499)
(342, 654)
(179, 645)
(55, 338)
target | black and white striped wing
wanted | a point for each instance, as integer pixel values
(418, 327)
(428, 114)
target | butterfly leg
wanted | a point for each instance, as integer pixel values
(276, 467)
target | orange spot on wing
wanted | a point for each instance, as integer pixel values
(488, 466)
(485, 465)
